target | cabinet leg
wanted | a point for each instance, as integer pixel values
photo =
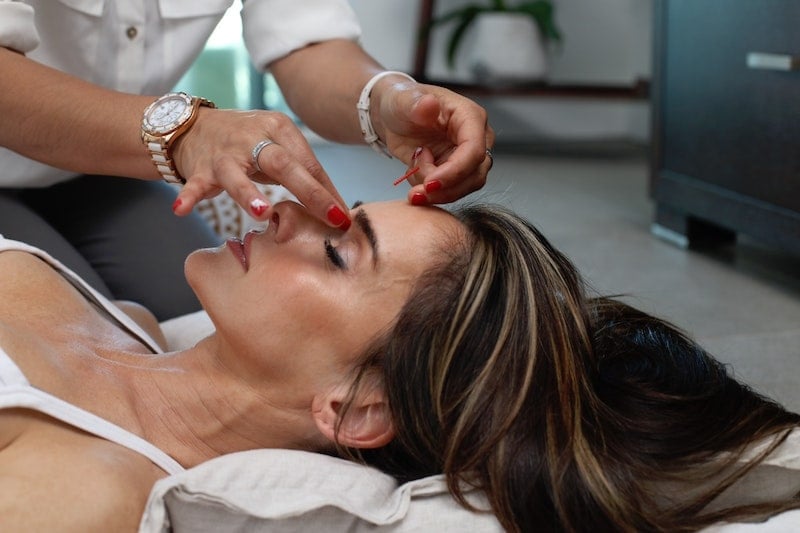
(687, 231)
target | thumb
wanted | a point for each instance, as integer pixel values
(425, 111)
(411, 110)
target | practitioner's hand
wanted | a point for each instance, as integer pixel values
(216, 154)
(452, 130)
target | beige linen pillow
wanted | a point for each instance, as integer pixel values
(288, 490)
(294, 491)
(778, 476)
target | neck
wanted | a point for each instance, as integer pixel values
(194, 407)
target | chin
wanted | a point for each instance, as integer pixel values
(202, 267)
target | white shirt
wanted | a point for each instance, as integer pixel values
(145, 46)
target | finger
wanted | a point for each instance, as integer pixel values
(197, 188)
(433, 190)
(425, 163)
(292, 140)
(285, 169)
(240, 188)
(457, 129)
(464, 171)
(315, 169)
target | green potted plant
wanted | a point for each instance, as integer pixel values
(509, 36)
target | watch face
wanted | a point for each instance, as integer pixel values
(167, 113)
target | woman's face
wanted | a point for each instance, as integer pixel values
(298, 302)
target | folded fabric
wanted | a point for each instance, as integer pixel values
(289, 490)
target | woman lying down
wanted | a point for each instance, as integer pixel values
(420, 342)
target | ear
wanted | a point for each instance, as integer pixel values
(367, 423)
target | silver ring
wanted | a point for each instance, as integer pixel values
(257, 150)
(491, 158)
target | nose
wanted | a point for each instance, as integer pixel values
(293, 221)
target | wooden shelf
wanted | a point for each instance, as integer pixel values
(639, 90)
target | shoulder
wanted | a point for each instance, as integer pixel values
(12, 259)
(21, 274)
(29, 285)
(22, 269)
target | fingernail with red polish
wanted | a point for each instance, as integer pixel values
(433, 186)
(417, 153)
(258, 206)
(337, 217)
(419, 199)
(176, 204)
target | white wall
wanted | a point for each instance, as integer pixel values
(389, 30)
(605, 42)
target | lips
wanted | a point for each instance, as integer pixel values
(237, 247)
(241, 247)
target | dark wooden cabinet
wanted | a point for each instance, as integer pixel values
(726, 120)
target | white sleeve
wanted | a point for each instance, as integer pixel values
(17, 29)
(273, 28)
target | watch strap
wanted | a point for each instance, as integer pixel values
(160, 146)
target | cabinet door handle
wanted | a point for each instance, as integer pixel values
(765, 61)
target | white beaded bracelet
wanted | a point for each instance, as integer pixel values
(370, 137)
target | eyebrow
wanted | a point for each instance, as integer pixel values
(363, 222)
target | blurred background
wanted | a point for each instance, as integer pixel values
(660, 157)
(606, 45)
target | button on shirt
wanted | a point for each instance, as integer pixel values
(145, 46)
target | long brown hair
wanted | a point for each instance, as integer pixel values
(570, 413)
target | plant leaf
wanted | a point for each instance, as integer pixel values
(541, 11)
(451, 15)
(442, 19)
(458, 33)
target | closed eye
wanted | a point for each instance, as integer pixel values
(333, 255)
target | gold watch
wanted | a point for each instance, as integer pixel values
(163, 122)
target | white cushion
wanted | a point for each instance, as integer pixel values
(778, 476)
(288, 490)
(786, 522)
(185, 331)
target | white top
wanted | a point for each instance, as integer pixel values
(145, 46)
(16, 391)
